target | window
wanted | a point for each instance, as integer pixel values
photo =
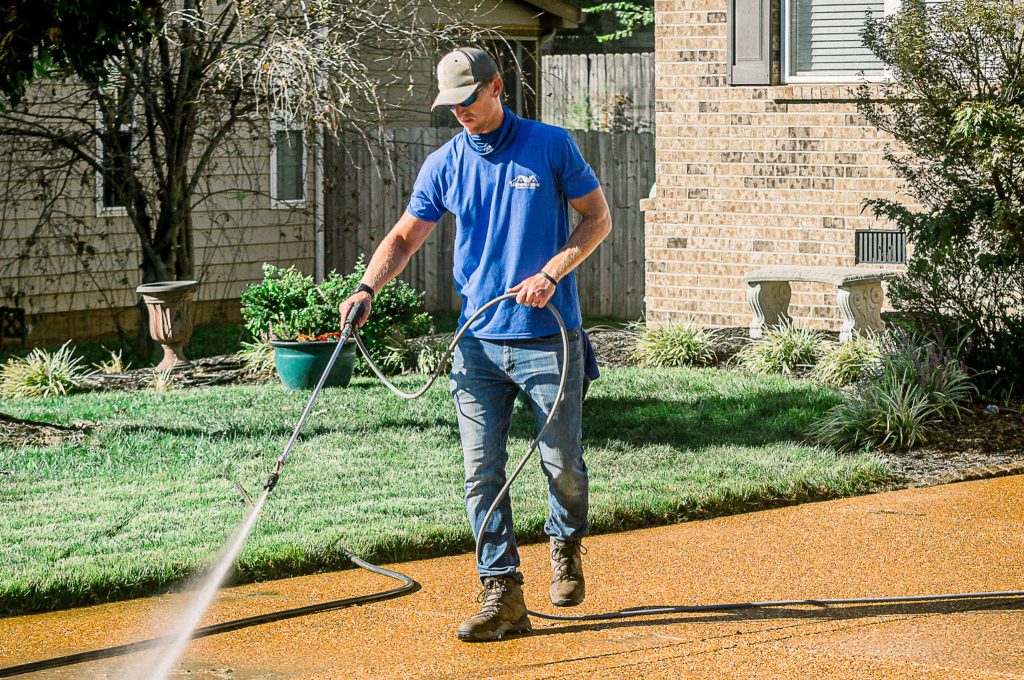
(824, 42)
(823, 39)
(288, 166)
(114, 147)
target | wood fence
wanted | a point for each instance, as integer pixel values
(368, 189)
(611, 92)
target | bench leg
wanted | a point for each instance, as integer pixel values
(769, 305)
(861, 305)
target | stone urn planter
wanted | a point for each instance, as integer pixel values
(170, 318)
(300, 364)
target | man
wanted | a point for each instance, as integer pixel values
(507, 181)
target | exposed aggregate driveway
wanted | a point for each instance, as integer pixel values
(956, 538)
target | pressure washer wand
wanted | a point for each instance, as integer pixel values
(354, 314)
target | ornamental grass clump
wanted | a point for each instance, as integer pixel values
(844, 363)
(42, 374)
(677, 344)
(782, 349)
(914, 386)
(431, 352)
(258, 357)
(116, 364)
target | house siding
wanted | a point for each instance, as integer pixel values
(70, 292)
(749, 176)
(84, 296)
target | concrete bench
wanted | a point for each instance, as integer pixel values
(859, 296)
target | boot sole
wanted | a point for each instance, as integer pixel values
(567, 603)
(523, 626)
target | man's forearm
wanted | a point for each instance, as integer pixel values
(588, 234)
(388, 261)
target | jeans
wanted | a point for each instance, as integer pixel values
(486, 378)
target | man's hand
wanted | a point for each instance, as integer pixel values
(534, 291)
(345, 307)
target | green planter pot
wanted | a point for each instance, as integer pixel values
(300, 364)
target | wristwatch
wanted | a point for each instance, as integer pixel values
(363, 288)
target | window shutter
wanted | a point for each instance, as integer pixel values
(827, 36)
(749, 42)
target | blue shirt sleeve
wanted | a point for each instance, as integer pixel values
(427, 200)
(575, 177)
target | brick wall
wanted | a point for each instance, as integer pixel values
(749, 176)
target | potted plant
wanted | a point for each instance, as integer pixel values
(300, 320)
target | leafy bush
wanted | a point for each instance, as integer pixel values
(287, 303)
(42, 374)
(677, 344)
(915, 385)
(782, 349)
(956, 291)
(960, 155)
(843, 363)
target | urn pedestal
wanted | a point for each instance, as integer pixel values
(170, 317)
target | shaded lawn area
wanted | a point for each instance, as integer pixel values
(148, 496)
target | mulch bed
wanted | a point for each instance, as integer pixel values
(226, 369)
(984, 443)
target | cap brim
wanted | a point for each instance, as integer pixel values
(455, 95)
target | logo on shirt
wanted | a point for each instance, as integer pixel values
(525, 182)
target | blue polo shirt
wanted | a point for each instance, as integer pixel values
(509, 198)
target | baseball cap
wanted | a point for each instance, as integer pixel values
(460, 72)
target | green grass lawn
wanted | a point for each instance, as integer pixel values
(147, 497)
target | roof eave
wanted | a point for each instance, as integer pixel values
(564, 14)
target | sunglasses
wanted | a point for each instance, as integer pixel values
(472, 97)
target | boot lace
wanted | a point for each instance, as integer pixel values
(563, 554)
(491, 596)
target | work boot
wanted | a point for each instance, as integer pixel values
(503, 611)
(567, 584)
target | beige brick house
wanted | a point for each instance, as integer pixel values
(267, 206)
(762, 158)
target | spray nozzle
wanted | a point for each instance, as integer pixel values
(355, 313)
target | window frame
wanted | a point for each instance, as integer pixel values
(788, 58)
(103, 210)
(275, 202)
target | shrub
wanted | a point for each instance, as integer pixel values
(961, 145)
(42, 374)
(287, 303)
(843, 363)
(957, 291)
(914, 386)
(677, 344)
(783, 349)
